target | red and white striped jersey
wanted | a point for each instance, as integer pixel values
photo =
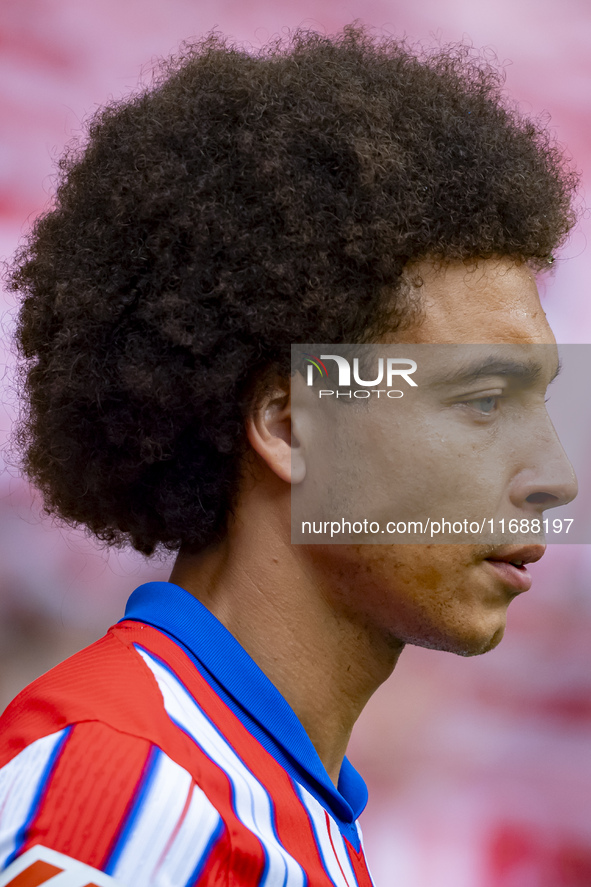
(162, 756)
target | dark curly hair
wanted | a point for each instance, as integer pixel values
(240, 203)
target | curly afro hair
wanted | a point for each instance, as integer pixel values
(240, 203)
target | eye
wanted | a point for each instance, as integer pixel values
(484, 405)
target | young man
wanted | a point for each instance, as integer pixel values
(335, 190)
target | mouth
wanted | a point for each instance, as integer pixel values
(509, 564)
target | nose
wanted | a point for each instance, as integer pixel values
(547, 479)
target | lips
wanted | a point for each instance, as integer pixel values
(508, 564)
(510, 554)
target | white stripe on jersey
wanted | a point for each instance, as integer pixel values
(20, 782)
(171, 831)
(252, 803)
(336, 861)
(360, 833)
(341, 851)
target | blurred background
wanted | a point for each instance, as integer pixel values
(479, 770)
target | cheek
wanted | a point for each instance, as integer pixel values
(425, 588)
(427, 461)
(427, 579)
(398, 583)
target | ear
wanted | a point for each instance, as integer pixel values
(270, 432)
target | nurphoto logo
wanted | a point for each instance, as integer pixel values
(388, 371)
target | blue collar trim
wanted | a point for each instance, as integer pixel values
(249, 693)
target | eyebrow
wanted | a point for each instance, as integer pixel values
(527, 372)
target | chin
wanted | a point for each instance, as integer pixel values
(485, 647)
(473, 645)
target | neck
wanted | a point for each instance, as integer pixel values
(277, 603)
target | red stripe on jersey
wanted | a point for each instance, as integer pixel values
(34, 875)
(359, 866)
(216, 869)
(89, 792)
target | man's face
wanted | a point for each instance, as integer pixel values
(450, 458)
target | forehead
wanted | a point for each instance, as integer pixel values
(489, 301)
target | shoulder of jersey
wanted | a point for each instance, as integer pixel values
(106, 682)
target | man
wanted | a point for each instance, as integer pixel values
(335, 190)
